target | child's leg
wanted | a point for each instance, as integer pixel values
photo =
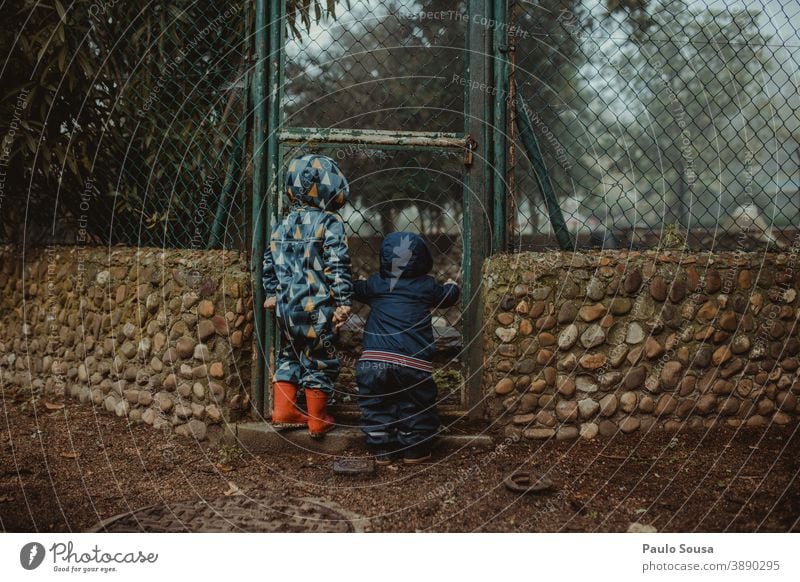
(377, 405)
(418, 420)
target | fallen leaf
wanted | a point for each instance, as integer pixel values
(70, 454)
(233, 489)
(51, 406)
(223, 467)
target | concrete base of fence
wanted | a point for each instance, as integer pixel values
(261, 437)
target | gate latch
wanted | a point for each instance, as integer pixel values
(470, 146)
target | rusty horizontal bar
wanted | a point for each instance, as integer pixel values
(371, 137)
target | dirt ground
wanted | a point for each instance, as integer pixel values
(66, 469)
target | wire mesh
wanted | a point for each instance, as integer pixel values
(386, 64)
(668, 123)
(169, 168)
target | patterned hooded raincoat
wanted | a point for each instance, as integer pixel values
(307, 269)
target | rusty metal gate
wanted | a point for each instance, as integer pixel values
(384, 90)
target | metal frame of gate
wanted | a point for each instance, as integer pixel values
(483, 141)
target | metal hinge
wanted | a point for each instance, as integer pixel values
(470, 145)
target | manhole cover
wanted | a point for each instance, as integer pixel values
(239, 513)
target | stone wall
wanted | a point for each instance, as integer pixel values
(581, 345)
(161, 337)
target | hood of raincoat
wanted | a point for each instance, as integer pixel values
(404, 255)
(317, 181)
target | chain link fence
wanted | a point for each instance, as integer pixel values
(662, 124)
(153, 152)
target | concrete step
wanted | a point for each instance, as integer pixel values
(261, 437)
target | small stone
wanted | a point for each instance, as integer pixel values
(629, 424)
(628, 401)
(721, 355)
(506, 334)
(525, 327)
(653, 349)
(568, 312)
(593, 336)
(608, 405)
(205, 329)
(637, 527)
(185, 347)
(634, 380)
(525, 366)
(504, 386)
(727, 321)
(646, 404)
(677, 291)
(713, 281)
(504, 318)
(163, 401)
(635, 333)
(666, 404)
(566, 386)
(587, 407)
(546, 339)
(568, 337)
(205, 308)
(546, 322)
(671, 374)
(620, 306)
(567, 410)
(216, 370)
(595, 290)
(589, 313)
(617, 355)
(586, 384)
(539, 433)
(593, 361)
(633, 281)
(567, 433)
(658, 288)
(740, 344)
(706, 403)
(194, 428)
(607, 428)
(538, 386)
(201, 352)
(588, 430)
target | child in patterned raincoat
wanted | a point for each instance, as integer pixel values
(306, 278)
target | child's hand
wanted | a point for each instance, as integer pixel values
(341, 315)
(269, 302)
(450, 282)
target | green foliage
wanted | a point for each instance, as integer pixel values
(129, 117)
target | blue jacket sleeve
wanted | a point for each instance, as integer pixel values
(268, 278)
(445, 295)
(337, 262)
(361, 291)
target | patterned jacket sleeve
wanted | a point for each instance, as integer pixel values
(268, 278)
(337, 262)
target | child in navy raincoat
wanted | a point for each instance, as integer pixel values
(306, 279)
(396, 392)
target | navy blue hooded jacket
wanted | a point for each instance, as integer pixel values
(401, 296)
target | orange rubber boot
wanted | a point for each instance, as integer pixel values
(285, 413)
(319, 421)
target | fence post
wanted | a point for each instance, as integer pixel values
(499, 122)
(259, 173)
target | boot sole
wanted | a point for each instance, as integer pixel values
(288, 425)
(417, 461)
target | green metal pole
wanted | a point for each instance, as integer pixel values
(260, 79)
(534, 153)
(499, 120)
(273, 190)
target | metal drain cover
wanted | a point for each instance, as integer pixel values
(260, 512)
